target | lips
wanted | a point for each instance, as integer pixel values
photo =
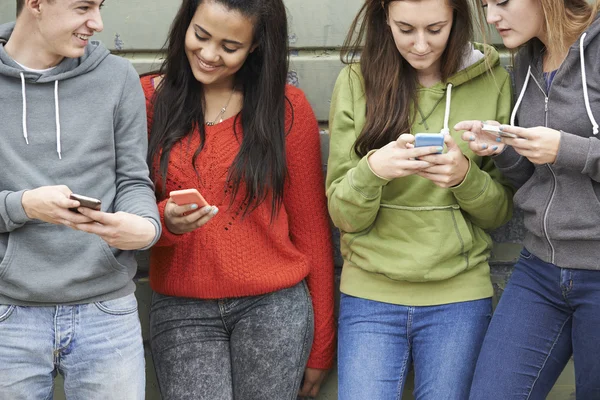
(206, 66)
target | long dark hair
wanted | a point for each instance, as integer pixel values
(260, 166)
(390, 82)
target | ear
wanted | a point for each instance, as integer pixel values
(34, 6)
(254, 46)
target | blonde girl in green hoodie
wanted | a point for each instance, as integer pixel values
(414, 224)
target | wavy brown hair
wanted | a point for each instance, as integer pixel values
(390, 82)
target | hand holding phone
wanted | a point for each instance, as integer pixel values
(85, 201)
(429, 139)
(495, 130)
(188, 196)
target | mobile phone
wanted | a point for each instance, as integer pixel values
(85, 201)
(495, 130)
(429, 139)
(188, 196)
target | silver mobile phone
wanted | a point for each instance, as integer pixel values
(495, 130)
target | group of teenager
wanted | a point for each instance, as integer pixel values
(243, 288)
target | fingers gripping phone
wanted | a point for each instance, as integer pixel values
(495, 130)
(188, 196)
(85, 201)
(429, 139)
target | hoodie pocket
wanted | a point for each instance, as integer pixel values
(416, 244)
(49, 263)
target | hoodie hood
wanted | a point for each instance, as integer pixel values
(95, 53)
(532, 60)
(478, 59)
(68, 68)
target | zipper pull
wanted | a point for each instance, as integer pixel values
(546, 104)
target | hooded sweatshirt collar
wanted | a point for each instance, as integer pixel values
(94, 54)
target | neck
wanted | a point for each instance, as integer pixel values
(28, 48)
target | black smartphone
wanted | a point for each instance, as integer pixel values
(85, 201)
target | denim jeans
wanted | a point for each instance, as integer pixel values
(97, 347)
(247, 348)
(546, 314)
(377, 343)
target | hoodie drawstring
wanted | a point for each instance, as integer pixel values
(446, 130)
(57, 114)
(24, 107)
(584, 83)
(57, 119)
(518, 103)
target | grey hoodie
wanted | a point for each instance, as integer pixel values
(82, 124)
(561, 201)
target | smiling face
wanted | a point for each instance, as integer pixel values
(421, 30)
(517, 21)
(217, 43)
(65, 26)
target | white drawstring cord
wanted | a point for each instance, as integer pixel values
(518, 103)
(584, 83)
(57, 119)
(446, 130)
(24, 107)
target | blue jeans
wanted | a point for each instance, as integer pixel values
(97, 347)
(546, 314)
(378, 342)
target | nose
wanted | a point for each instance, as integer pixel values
(421, 44)
(209, 53)
(492, 16)
(95, 22)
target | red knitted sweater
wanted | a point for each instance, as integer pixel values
(231, 256)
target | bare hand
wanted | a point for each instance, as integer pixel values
(186, 218)
(448, 169)
(51, 204)
(399, 158)
(121, 230)
(313, 379)
(480, 142)
(539, 144)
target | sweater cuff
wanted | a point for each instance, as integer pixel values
(572, 152)
(365, 181)
(166, 238)
(472, 186)
(507, 159)
(14, 208)
(156, 233)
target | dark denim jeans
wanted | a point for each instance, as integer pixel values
(247, 348)
(378, 342)
(546, 314)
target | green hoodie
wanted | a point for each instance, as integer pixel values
(407, 241)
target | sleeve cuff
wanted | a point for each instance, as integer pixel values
(14, 208)
(365, 181)
(166, 238)
(157, 234)
(572, 152)
(473, 185)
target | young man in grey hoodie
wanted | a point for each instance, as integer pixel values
(72, 121)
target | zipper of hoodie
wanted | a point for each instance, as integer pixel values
(545, 220)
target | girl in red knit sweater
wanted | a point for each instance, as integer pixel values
(242, 285)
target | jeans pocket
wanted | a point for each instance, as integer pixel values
(525, 254)
(5, 312)
(121, 306)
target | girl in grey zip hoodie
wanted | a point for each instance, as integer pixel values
(550, 309)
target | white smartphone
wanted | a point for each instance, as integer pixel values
(495, 130)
